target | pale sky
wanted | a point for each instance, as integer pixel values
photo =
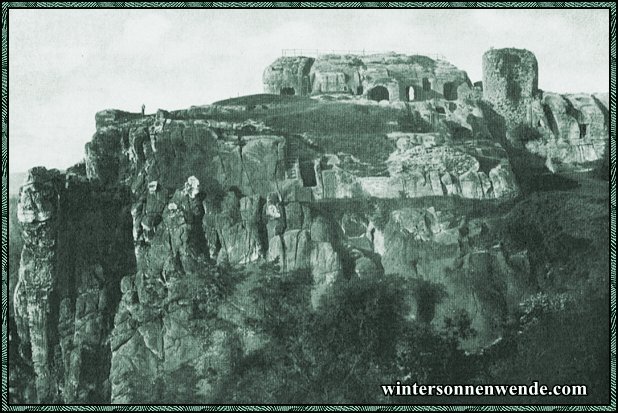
(65, 65)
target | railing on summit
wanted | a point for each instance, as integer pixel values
(322, 52)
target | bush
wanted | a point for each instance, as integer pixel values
(358, 338)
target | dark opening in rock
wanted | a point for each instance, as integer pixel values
(583, 130)
(441, 110)
(359, 90)
(287, 91)
(378, 93)
(307, 174)
(450, 91)
(426, 84)
(427, 296)
(551, 120)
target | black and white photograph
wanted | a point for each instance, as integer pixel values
(288, 205)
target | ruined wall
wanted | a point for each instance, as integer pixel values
(337, 74)
(510, 82)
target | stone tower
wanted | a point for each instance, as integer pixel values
(510, 82)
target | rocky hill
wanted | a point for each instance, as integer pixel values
(138, 264)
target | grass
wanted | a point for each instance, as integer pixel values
(333, 117)
(333, 127)
(296, 114)
(260, 99)
(339, 127)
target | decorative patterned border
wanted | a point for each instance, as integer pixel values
(5, 9)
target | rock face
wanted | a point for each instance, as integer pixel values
(38, 213)
(337, 74)
(573, 128)
(288, 76)
(65, 296)
(440, 99)
(443, 252)
(430, 169)
(258, 161)
(237, 234)
(165, 328)
(168, 324)
(123, 256)
(390, 76)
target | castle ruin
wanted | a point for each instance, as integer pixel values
(388, 76)
(568, 128)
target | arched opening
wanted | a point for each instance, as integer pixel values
(412, 94)
(307, 173)
(378, 93)
(359, 90)
(427, 296)
(450, 91)
(287, 91)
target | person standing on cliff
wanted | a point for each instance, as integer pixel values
(143, 109)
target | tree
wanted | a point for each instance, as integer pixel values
(358, 338)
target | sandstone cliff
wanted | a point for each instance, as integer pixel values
(137, 272)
